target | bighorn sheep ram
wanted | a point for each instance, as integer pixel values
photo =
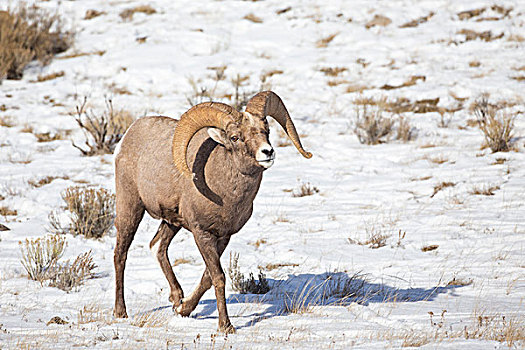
(227, 152)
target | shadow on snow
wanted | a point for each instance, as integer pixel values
(303, 292)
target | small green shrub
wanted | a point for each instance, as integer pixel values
(29, 33)
(245, 285)
(91, 212)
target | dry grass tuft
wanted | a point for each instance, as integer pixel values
(40, 255)
(305, 189)
(410, 82)
(36, 183)
(371, 127)
(29, 33)
(40, 258)
(5, 211)
(474, 64)
(51, 76)
(7, 121)
(378, 20)
(376, 238)
(91, 212)
(93, 313)
(485, 190)
(418, 21)
(90, 14)
(333, 71)
(102, 131)
(270, 267)
(321, 43)
(259, 242)
(403, 105)
(127, 14)
(356, 88)
(180, 261)
(499, 161)
(48, 137)
(82, 54)
(150, 319)
(441, 186)
(405, 132)
(485, 36)
(429, 248)
(459, 282)
(496, 127)
(245, 285)
(253, 18)
(69, 275)
(439, 159)
(464, 15)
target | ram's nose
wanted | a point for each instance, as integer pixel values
(265, 156)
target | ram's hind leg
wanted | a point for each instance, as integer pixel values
(159, 246)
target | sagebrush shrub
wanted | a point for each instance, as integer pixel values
(371, 127)
(29, 33)
(245, 285)
(102, 131)
(40, 255)
(40, 258)
(497, 127)
(306, 189)
(91, 212)
(69, 275)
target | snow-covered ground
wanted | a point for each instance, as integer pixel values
(468, 293)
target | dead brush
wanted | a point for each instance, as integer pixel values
(40, 255)
(497, 127)
(91, 212)
(40, 258)
(371, 127)
(68, 275)
(440, 186)
(150, 319)
(245, 285)
(343, 287)
(485, 190)
(305, 189)
(302, 300)
(405, 131)
(102, 131)
(375, 238)
(127, 14)
(29, 33)
(6, 211)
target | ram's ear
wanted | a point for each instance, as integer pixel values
(217, 135)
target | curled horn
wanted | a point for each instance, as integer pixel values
(267, 103)
(209, 114)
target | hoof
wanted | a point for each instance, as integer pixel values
(227, 329)
(119, 313)
(182, 310)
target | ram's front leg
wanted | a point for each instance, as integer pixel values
(208, 245)
(190, 302)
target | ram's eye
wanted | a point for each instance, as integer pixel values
(234, 138)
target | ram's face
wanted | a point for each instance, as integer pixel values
(249, 143)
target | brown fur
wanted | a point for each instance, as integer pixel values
(213, 205)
